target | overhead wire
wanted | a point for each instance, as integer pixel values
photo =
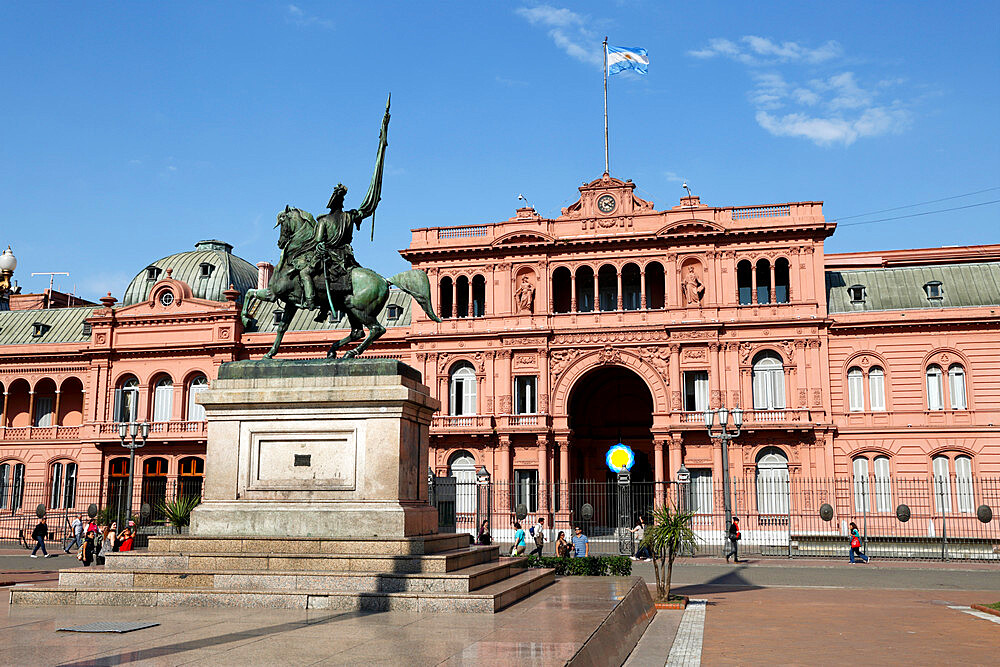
(923, 203)
(914, 215)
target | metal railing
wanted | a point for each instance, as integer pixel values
(19, 503)
(779, 516)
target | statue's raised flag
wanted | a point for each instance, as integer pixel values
(621, 58)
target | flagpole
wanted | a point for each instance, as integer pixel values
(607, 167)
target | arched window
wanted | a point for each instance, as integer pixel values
(744, 282)
(154, 486)
(127, 400)
(117, 486)
(883, 484)
(562, 285)
(942, 484)
(462, 466)
(446, 295)
(462, 297)
(876, 388)
(17, 487)
(478, 296)
(855, 390)
(196, 411)
(781, 280)
(772, 482)
(462, 393)
(963, 483)
(763, 281)
(768, 382)
(584, 289)
(956, 386)
(190, 474)
(45, 400)
(607, 284)
(935, 389)
(655, 286)
(62, 484)
(631, 285)
(4, 483)
(163, 399)
(862, 502)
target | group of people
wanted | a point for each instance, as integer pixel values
(92, 542)
(576, 547)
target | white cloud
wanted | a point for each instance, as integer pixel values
(673, 177)
(298, 17)
(568, 30)
(754, 50)
(838, 108)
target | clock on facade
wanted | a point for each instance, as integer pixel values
(606, 203)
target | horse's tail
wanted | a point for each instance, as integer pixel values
(415, 283)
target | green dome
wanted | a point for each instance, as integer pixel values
(208, 269)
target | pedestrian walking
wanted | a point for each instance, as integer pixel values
(484, 533)
(581, 545)
(77, 530)
(639, 532)
(563, 547)
(519, 542)
(856, 545)
(734, 538)
(538, 535)
(39, 534)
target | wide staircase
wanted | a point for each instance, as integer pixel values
(441, 572)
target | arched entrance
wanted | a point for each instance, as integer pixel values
(607, 405)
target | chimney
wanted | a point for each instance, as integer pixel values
(264, 272)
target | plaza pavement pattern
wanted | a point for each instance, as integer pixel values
(762, 612)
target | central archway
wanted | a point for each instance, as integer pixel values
(608, 404)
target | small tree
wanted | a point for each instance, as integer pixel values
(669, 534)
(178, 512)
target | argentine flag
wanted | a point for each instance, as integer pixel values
(621, 58)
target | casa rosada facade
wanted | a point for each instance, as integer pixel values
(614, 322)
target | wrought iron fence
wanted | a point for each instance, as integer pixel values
(917, 517)
(18, 503)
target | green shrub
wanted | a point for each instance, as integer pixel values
(588, 566)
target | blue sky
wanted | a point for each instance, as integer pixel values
(128, 131)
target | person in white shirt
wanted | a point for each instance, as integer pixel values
(538, 533)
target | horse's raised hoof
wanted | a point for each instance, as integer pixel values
(332, 354)
(350, 355)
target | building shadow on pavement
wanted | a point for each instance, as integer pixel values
(127, 657)
(728, 582)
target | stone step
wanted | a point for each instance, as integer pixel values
(489, 599)
(447, 561)
(461, 581)
(389, 546)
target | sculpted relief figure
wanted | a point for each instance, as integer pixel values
(525, 296)
(317, 269)
(693, 288)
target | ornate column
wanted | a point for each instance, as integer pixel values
(642, 288)
(562, 441)
(675, 376)
(670, 294)
(543, 474)
(543, 389)
(31, 407)
(620, 300)
(674, 460)
(597, 293)
(55, 413)
(774, 286)
(503, 473)
(714, 387)
(507, 382)
(3, 410)
(802, 398)
(753, 281)
(659, 474)
(815, 379)
(572, 291)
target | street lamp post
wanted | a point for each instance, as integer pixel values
(724, 435)
(133, 429)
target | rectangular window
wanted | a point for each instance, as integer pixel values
(701, 490)
(696, 391)
(43, 411)
(855, 390)
(942, 485)
(935, 400)
(883, 485)
(526, 489)
(861, 490)
(55, 497)
(956, 387)
(525, 395)
(963, 483)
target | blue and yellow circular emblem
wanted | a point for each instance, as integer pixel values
(620, 458)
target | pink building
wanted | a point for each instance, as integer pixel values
(613, 322)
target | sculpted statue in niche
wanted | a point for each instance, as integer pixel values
(525, 296)
(692, 287)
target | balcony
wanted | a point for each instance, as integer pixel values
(529, 423)
(35, 433)
(781, 418)
(462, 424)
(173, 430)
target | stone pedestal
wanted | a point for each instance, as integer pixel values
(316, 448)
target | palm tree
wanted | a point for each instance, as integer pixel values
(669, 534)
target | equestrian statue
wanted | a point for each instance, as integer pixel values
(317, 270)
